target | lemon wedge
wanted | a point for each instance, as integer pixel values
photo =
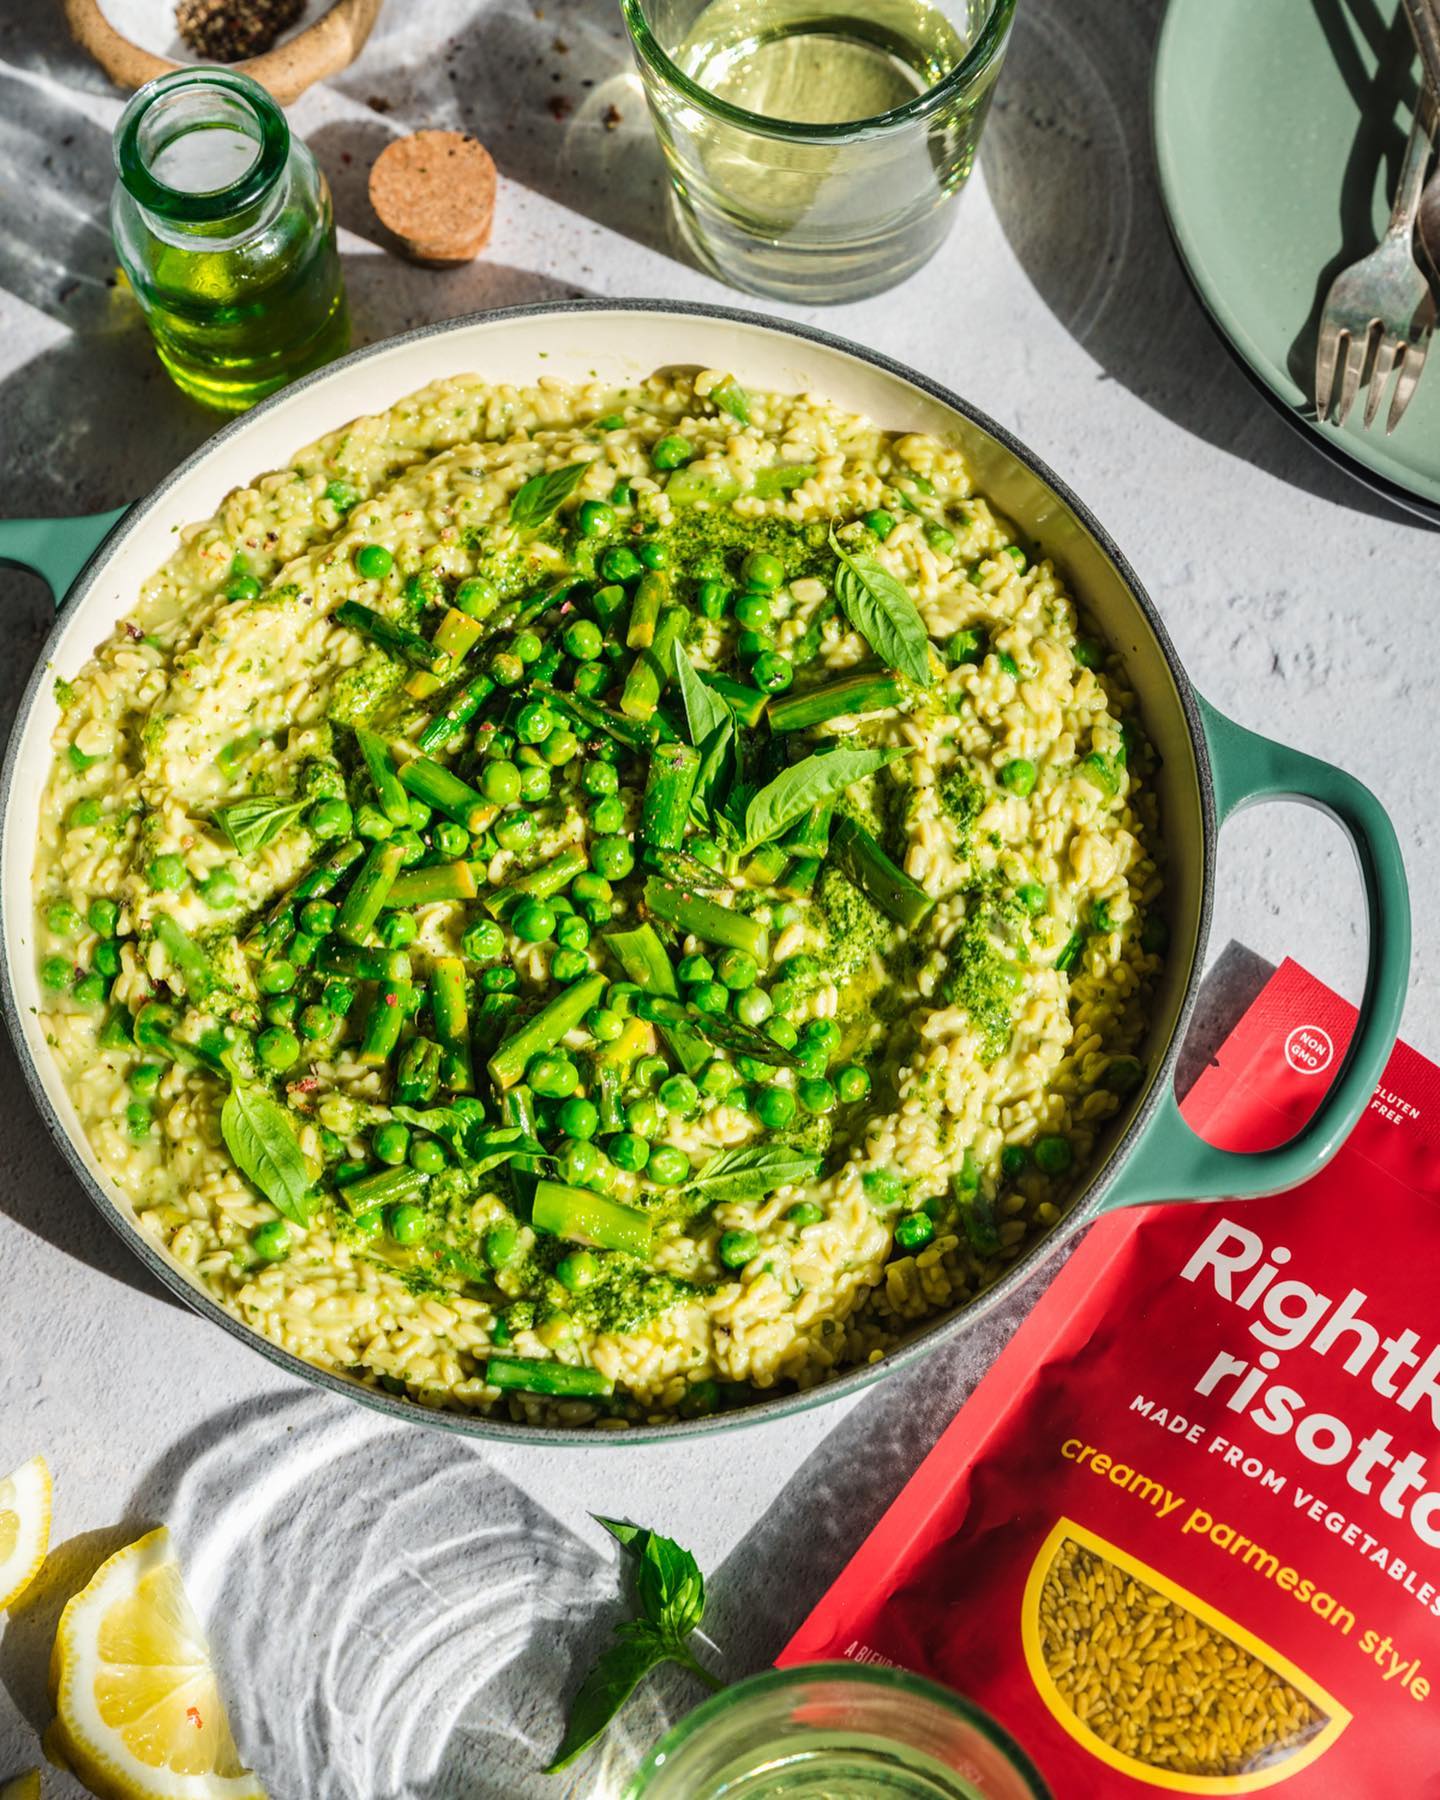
(23, 1787)
(24, 1528)
(140, 1713)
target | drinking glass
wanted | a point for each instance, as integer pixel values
(815, 146)
(837, 1728)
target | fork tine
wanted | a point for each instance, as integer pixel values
(1388, 353)
(1327, 355)
(1411, 365)
(1356, 357)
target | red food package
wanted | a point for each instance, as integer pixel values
(1185, 1535)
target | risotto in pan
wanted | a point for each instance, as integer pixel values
(595, 906)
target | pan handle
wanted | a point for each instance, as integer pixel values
(56, 549)
(1170, 1162)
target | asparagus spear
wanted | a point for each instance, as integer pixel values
(381, 1031)
(361, 906)
(585, 1217)
(386, 1187)
(417, 1078)
(455, 635)
(651, 593)
(706, 919)
(747, 703)
(545, 1030)
(394, 802)
(438, 881)
(669, 789)
(634, 734)
(392, 637)
(863, 692)
(447, 793)
(861, 858)
(359, 964)
(652, 668)
(458, 714)
(536, 1375)
(543, 883)
(452, 1025)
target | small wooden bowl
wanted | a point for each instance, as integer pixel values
(321, 49)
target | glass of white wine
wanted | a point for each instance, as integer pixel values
(814, 145)
(837, 1731)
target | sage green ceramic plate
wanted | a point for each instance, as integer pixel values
(1279, 126)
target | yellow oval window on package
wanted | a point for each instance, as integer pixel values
(1159, 1684)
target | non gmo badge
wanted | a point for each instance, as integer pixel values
(1309, 1049)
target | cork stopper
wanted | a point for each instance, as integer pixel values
(435, 190)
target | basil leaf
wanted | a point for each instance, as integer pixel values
(711, 725)
(620, 1529)
(752, 1172)
(769, 484)
(250, 824)
(606, 1689)
(810, 783)
(669, 1587)
(261, 1138)
(461, 1127)
(730, 397)
(542, 494)
(881, 610)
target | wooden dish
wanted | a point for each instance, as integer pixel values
(321, 49)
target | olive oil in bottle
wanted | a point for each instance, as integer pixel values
(223, 227)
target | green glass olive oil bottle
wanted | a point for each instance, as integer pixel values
(223, 226)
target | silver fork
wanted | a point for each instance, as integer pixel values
(1382, 297)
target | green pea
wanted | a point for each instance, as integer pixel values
(533, 921)
(498, 746)
(534, 722)
(1014, 1160)
(820, 1034)
(964, 646)
(330, 818)
(753, 612)
(940, 538)
(517, 832)
(607, 816)
(711, 997)
(1089, 653)
(771, 672)
(717, 1078)
(534, 783)
(83, 813)
(650, 1069)
(582, 640)
(316, 1022)
(397, 929)
(56, 972)
(580, 1269)
(483, 941)
(476, 596)
(880, 522)
(737, 1247)
(596, 518)
(62, 918)
(371, 823)
(599, 779)
(612, 857)
(603, 1025)
(501, 1244)
(555, 1077)
(695, 968)
(762, 570)
(420, 815)
(569, 965)
(668, 1165)
(914, 1230)
(753, 1007)
(580, 1162)
(816, 1096)
(317, 917)
(1033, 896)
(167, 874)
(852, 1083)
(578, 1118)
(271, 1241)
(1053, 1154)
(502, 980)
(407, 1223)
(506, 669)
(672, 453)
(589, 886)
(560, 747)
(572, 933)
(1019, 776)
(804, 1212)
(774, 1107)
(644, 1117)
(242, 587)
(629, 1151)
(750, 644)
(106, 960)
(1017, 556)
(781, 1032)
(278, 1048)
(103, 916)
(706, 850)
(427, 1155)
(276, 977)
(620, 563)
(144, 1079)
(679, 1095)
(390, 1142)
(374, 561)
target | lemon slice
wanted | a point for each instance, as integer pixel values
(24, 1529)
(23, 1787)
(141, 1716)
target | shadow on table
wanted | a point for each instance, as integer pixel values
(1070, 169)
(833, 1501)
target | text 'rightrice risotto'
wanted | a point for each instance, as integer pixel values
(594, 906)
